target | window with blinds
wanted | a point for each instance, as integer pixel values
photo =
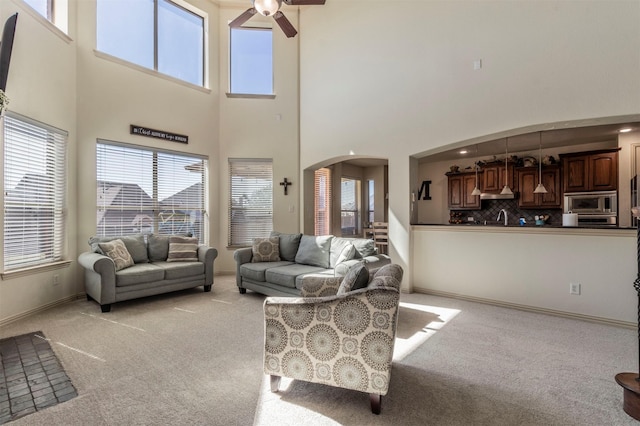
(34, 192)
(145, 191)
(251, 200)
(322, 202)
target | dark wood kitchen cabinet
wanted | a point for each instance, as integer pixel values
(590, 171)
(459, 191)
(528, 182)
(494, 177)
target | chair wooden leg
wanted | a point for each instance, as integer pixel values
(275, 383)
(376, 403)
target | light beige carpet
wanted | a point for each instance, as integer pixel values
(196, 358)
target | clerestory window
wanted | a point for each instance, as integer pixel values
(162, 35)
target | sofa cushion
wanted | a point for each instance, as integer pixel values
(177, 270)
(135, 246)
(139, 274)
(117, 251)
(256, 271)
(314, 250)
(286, 275)
(289, 244)
(357, 277)
(182, 249)
(364, 247)
(265, 250)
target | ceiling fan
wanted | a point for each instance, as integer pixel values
(272, 8)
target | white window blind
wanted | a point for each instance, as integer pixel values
(251, 200)
(144, 191)
(34, 192)
(322, 197)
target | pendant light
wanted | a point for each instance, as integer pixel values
(506, 190)
(476, 190)
(540, 189)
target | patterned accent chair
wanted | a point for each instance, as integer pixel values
(342, 340)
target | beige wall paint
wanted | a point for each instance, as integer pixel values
(400, 87)
(261, 128)
(48, 94)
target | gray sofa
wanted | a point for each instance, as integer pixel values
(160, 264)
(278, 269)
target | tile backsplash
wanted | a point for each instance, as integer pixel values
(491, 208)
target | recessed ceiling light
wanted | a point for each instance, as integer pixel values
(625, 130)
(464, 151)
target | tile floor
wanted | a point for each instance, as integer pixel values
(31, 377)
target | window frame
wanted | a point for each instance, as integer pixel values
(357, 229)
(53, 142)
(57, 16)
(187, 7)
(256, 26)
(153, 208)
(235, 240)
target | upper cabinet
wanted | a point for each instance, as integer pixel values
(528, 181)
(594, 171)
(494, 177)
(459, 191)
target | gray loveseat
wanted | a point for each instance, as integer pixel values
(277, 267)
(158, 264)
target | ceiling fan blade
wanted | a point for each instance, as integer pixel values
(244, 17)
(303, 2)
(285, 25)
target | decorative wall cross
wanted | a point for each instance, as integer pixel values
(285, 183)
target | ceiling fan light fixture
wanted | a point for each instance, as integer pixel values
(267, 7)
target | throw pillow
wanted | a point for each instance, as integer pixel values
(314, 250)
(183, 249)
(135, 246)
(364, 247)
(338, 244)
(347, 253)
(288, 245)
(357, 277)
(266, 250)
(117, 251)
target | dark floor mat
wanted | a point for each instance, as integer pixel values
(31, 377)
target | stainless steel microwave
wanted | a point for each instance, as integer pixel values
(591, 203)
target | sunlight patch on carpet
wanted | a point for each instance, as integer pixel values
(416, 323)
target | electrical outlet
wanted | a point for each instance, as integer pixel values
(574, 288)
(56, 279)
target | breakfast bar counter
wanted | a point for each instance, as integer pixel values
(531, 267)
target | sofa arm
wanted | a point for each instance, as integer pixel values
(207, 255)
(99, 277)
(315, 286)
(242, 256)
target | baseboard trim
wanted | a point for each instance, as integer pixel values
(25, 314)
(563, 314)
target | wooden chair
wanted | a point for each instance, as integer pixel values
(381, 236)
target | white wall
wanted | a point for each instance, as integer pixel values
(46, 93)
(393, 79)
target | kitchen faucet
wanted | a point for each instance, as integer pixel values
(505, 216)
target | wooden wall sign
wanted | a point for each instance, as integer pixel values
(158, 134)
